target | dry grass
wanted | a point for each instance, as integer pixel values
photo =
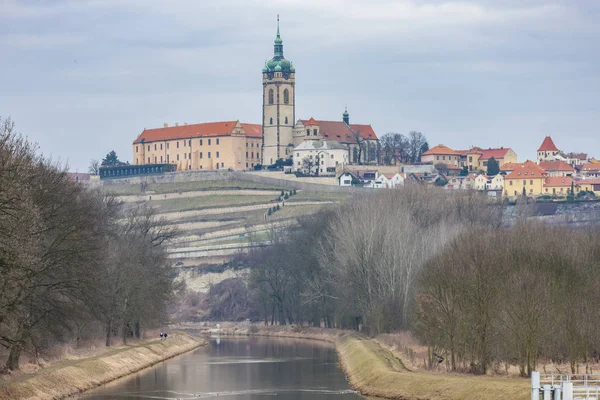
(174, 187)
(213, 201)
(374, 371)
(74, 376)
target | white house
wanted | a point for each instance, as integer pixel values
(389, 180)
(346, 178)
(319, 157)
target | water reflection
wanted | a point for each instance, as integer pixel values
(239, 368)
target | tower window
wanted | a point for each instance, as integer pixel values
(286, 119)
(136, 149)
(271, 121)
(286, 96)
(271, 96)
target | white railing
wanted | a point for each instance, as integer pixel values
(564, 387)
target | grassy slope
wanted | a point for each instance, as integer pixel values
(375, 372)
(175, 187)
(71, 377)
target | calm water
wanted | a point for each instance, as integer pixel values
(244, 368)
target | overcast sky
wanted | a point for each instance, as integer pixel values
(83, 77)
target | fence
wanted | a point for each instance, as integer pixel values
(564, 387)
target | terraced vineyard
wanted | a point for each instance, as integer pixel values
(219, 220)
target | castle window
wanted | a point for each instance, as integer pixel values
(200, 142)
(136, 149)
(177, 144)
(246, 154)
(271, 121)
(155, 146)
(200, 154)
(217, 154)
(217, 141)
(286, 96)
(167, 146)
(209, 154)
(190, 143)
(185, 156)
(161, 146)
(286, 120)
(271, 95)
(148, 147)
(148, 160)
(177, 157)
(209, 142)
(184, 143)
(161, 159)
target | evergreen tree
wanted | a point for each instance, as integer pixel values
(111, 159)
(493, 167)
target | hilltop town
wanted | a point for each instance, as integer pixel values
(348, 154)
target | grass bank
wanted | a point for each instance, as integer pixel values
(375, 372)
(71, 377)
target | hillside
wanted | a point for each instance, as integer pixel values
(219, 219)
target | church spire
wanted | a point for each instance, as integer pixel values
(278, 48)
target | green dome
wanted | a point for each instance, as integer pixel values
(285, 64)
(278, 63)
(278, 68)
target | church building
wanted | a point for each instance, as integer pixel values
(243, 146)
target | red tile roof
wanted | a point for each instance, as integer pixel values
(223, 128)
(440, 149)
(558, 181)
(486, 154)
(340, 132)
(252, 130)
(508, 166)
(548, 145)
(593, 181)
(556, 166)
(590, 167)
(527, 170)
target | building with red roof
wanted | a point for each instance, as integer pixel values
(441, 154)
(548, 150)
(212, 145)
(526, 178)
(359, 139)
(557, 168)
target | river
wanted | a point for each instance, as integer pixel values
(242, 368)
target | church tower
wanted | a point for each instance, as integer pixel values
(279, 110)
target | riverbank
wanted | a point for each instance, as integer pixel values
(375, 372)
(69, 377)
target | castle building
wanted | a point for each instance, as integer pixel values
(212, 145)
(279, 105)
(242, 146)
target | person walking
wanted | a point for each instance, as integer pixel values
(161, 335)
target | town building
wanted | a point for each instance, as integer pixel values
(319, 157)
(548, 150)
(527, 178)
(590, 185)
(557, 168)
(213, 145)
(441, 154)
(590, 170)
(476, 159)
(560, 186)
(360, 140)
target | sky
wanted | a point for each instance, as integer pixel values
(83, 77)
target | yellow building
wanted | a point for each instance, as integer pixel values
(212, 145)
(526, 178)
(441, 154)
(590, 185)
(477, 158)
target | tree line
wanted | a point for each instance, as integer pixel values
(444, 266)
(73, 263)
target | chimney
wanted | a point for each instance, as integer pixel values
(165, 125)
